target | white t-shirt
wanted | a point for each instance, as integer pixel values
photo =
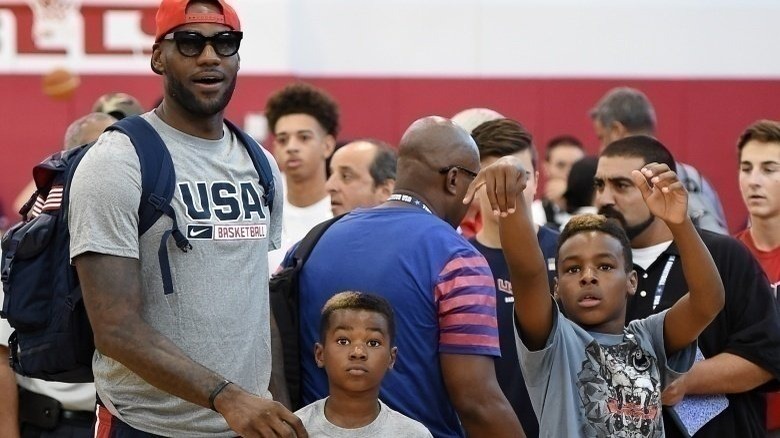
(644, 257)
(73, 396)
(296, 222)
(388, 424)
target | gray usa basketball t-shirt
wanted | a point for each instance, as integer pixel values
(219, 311)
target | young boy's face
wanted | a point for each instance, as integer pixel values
(356, 351)
(592, 283)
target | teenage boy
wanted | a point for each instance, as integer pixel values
(588, 375)
(357, 331)
(759, 182)
(496, 139)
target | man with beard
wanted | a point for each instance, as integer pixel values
(162, 360)
(741, 347)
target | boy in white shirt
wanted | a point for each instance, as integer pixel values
(356, 350)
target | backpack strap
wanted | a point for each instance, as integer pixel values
(285, 300)
(158, 180)
(260, 162)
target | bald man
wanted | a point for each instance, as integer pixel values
(407, 250)
(362, 175)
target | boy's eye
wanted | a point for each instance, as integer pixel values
(572, 269)
(606, 267)
(342, 341)
(373, 343)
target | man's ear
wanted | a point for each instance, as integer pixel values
(618, 130)
(633, 282)
(157, 64)
(384, 190)
(319, 355)
(451, 182)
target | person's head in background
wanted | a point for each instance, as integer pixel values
(469, 119)
(357, 338)
(580, 193)
(362, 174)
(118, 105)
(759, 172)
(500, 138)
(623, 111)
(304, 121)
(561, 153)
(618, 197)
(86, 129)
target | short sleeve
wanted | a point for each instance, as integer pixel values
(104, 196)
(466, 300)
(275, 241)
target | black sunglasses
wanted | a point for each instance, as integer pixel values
(192, 43)
(470, 173)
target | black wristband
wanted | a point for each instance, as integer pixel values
(216, 391)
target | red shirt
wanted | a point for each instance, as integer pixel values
(770, 262)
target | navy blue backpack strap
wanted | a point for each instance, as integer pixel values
(158, 181)
(260, 162)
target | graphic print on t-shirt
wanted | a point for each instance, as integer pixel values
(223, 210)
(620, 390)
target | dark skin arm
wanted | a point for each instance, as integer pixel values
(112, 295)
(504, 182)
(724, 373)
(667, 199)
(472, 386)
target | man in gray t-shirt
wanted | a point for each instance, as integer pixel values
(163, 359)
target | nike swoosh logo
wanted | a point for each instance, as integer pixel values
(194, 233)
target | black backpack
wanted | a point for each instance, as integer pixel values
(42, 299)
(285, 300)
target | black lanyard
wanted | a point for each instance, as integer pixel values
(409, 199)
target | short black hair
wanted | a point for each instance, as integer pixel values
(352, 300)
(302, 98)
(562, 140)
(582, 223)
(641, 146)
(502, 137)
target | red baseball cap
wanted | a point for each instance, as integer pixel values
(173, 13)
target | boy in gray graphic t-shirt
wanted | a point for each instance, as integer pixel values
(356, 350)
(586, 373)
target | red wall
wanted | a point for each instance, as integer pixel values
(698, 119)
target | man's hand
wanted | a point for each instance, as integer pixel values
(663, 192)
(251, 416)
(674, 392)
(504, 183)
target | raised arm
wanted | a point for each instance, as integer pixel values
(112, 295)
(504, 182)
(667, 199)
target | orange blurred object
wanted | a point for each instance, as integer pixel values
(60, 84)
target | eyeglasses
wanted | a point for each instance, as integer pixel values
(192, 43)
(470, 173)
